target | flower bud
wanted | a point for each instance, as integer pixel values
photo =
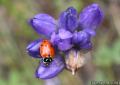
(74, 60)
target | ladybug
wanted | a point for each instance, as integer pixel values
(47, 51)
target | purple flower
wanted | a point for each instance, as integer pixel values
(71, 33)
(52, 70)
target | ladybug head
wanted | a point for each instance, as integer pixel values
(47, 61)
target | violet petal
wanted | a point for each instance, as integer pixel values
(45, 17)
(65, 44)
(68, 19)
(33, 48)
(64, 34)
(80, 37)
(55, 38)
(62, 40)
(43, 24)
(91, 16)
(52, 70)
(86, 46)
(90, 31)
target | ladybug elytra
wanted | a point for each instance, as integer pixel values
(47, 51)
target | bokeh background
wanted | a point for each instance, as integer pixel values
(17, 68)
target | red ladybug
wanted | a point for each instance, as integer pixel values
(47, 51)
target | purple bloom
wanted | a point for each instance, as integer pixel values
(68, 19)
(33, 48)
(90, 17)
(43, 24)
(71, 31)
(52, 70)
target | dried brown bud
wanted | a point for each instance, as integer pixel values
(74, 60)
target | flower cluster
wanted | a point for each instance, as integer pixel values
(70, 34)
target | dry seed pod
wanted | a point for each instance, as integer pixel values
(74, 60)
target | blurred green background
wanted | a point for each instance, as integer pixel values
(17, 68)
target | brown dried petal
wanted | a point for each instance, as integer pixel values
(74, 60)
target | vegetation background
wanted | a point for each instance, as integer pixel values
(17, 68)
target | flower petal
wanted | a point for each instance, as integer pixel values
(74, 60)
(64, 34)
(90, 31)
(55, 38)
(68, 19)
(43, 24)
(47, 72)
(62, 40)
(91, 17)
(45, 17)
(86, 46)
(80, 37)
(65, 45)
(33, 48)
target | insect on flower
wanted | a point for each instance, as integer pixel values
(47, 51)
(70, 34)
